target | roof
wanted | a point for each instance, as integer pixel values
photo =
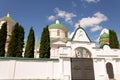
(37, 59)
(58, 26)
(7, 18)
(104, 35)
(76, 32)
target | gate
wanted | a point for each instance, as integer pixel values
(82, 69)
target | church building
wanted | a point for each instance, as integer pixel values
(75, 58)
(87, 61)
(10, 25)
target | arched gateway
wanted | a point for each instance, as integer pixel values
(82, 52)
(82, 65)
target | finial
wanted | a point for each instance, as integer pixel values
(57, 21)
(78, 23)
(8, 14)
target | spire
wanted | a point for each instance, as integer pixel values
(57, 21)
(8, 14)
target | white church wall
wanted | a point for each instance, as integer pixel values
(65, 70)
(85, 45)
(99, 69)
(88, 46)
(118, 68)
(7, 69)
(53, 33)
(65, 52)
(54, 53)
(29, 69)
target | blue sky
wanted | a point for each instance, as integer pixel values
(94, 15)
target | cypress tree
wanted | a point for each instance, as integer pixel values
(29, 50)
(16, 43)
(20, 41)
(12, 47)
(113, 39)
(3, 36)
(45, 44)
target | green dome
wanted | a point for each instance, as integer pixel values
(105, 35)
(58, 26)
(7, 18)
(102, 43)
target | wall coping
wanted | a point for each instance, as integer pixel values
(39, 59)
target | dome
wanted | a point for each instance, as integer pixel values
(104, 35)
(7, 18)
(58, 26)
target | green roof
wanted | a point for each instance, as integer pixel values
(105, 35)
(76, 32)
(19, 58)
(7, 18)
(60, 26)
(102, 43)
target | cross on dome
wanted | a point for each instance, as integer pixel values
(8, 14)
(57, 21)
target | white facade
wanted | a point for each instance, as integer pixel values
(60, 68)
(62, 50)
(100, 56)
(57, 33)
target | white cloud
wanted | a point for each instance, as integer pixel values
(96, 19)
(51, 18)
(91, 1)
(93, 22)
(96, 28)
(67, 16)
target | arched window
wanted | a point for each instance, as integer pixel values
(58, 32)
(82, 52)
(109, 68)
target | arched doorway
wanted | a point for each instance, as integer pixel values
(110, 72)
(82, 65)
(82, 52)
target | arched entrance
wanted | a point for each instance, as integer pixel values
(82, 52)
(82, 65)
(110, 72)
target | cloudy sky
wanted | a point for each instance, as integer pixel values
(94, 15)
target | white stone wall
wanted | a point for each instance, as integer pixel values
(58, 69)
(29, 69)
(100, 68)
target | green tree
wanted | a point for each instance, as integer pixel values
(12, 47)
(29, 50)
(45, 44)
(20, 41)
(3, 36)
(16, 43)
(113, 39)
